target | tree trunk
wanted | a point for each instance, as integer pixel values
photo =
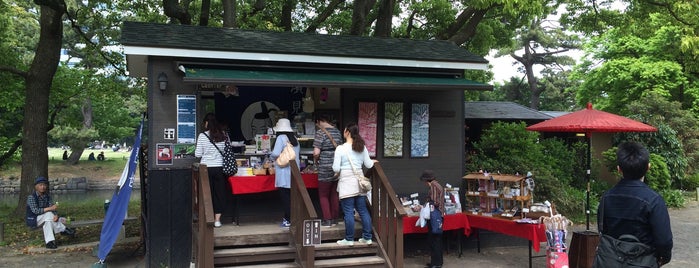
(229, 14)
(176, 12)
(313, 26)
(287, 8)
(205, 13)
(36, 108)
(359, 16)
(384, 18)
(78, 146)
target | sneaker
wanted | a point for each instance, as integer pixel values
(69, 232)
(285, 224)
(344, 242)
(51, 245)
(365, 241)
(217, 224)
(326, 223)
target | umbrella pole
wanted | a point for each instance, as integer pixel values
(587, 203)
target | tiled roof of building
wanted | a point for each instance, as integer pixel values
(501, 110)
(237, 40)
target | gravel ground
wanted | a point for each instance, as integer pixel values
(497, 250)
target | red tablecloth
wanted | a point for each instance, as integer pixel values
(533, 232)
(451, 222)
(264, 183)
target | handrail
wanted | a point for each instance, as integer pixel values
(302, 209)
(202, 230)
(387, 217)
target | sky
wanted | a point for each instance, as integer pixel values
(505, 67)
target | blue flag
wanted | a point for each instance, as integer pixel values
(120, 201)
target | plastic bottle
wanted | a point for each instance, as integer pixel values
(106, 205)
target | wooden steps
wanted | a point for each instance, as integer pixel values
(267, 245)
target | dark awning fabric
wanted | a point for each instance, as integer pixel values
(286, 78)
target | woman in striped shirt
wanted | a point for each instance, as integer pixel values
(210, 144)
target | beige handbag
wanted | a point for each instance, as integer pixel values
(287, 155)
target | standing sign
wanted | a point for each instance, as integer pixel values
(186, 118)
(311, 233)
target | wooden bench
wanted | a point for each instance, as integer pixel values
(74, 224)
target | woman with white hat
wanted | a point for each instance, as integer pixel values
(282, 175)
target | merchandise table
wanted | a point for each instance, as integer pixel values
(260, 184)
(451, 222)
(264, 183)
(535, 233)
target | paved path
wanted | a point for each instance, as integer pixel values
(503, 252)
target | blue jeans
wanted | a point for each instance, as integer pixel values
(349, 204)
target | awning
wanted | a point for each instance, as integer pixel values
(311, 79)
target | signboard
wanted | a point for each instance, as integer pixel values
(311, 233)
(186, 119)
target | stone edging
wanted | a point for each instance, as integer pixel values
(64, 185)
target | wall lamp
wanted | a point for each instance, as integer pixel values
(162, 82)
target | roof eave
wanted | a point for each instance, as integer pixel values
(137, 59)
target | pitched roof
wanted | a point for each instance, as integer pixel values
(501, 110)
(237, 40)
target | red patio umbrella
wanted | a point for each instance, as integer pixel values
(588, 121)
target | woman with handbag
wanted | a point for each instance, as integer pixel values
(324, 143)
(207, 148)
(282, 174)
(349, 159)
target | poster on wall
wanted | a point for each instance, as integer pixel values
(186, 119)
(393, 129)
(420, 130)
(164, 154)
(367, 125)
(184, 151)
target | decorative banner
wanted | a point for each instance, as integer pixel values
(420, 130)
(393, 130)
(116, 213)
(367, 125)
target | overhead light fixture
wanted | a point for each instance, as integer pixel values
(162, 82)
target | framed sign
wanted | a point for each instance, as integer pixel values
(367, 122)
(393, 129)
(164, 154)
(419, 130)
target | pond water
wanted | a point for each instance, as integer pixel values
(97, 196)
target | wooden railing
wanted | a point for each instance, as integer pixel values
(302, 209)
(202, 218)
(387, 217)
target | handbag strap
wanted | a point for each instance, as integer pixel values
(349, 158)
(212, 142)
(601, 214)
(329, 136)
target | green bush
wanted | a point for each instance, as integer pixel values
(673, 198)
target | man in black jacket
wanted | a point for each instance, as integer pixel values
(631, 207)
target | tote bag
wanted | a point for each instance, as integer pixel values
(286, 155)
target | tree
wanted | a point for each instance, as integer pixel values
(37, 91)
(543, 42)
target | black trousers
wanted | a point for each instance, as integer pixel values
(435, 242)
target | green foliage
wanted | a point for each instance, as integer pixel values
(673, 198)
(681, 149)
(658, 176)
(690, 182)
(508, 148)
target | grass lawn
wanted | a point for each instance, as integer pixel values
(111, 167)
(17, 235)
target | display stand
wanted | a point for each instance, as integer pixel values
(495, 194)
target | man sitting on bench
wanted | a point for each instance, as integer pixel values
(41, 212)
